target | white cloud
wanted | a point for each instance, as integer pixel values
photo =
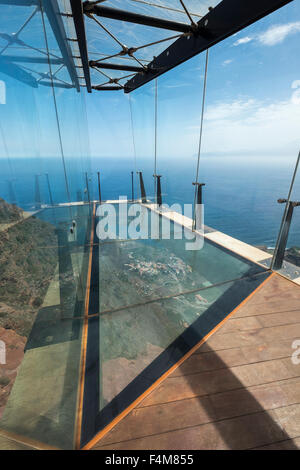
(235, 109)
(227, 62)
(277, 33)
(273, 35)
(248, 126)
(243, 40)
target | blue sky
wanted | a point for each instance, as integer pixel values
(252, 105)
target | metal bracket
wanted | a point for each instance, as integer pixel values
(142, 186)
(284, 234)
(158, 190)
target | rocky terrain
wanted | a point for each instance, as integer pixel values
(292, 255)
(28, 257)
(9, 212)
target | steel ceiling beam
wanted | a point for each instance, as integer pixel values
(78, 19)
(106, 88)
(108, 66)
(130, 17)
(226, 19)
(54, 17)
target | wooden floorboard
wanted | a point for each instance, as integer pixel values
(10, 444)
(240, 390)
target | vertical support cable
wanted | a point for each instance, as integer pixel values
(132, 187)
(133, 139)
(155, 138)
(99, 187)
(49, 189)
(37, 192)
(196, 183)
(87, 187)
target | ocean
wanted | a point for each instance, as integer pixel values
(240, 194)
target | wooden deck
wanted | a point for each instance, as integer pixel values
(240, 390)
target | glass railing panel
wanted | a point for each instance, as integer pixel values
(286, 253)
(70, 111)
(28, 139)
(42, 300)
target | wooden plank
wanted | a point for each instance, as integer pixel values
(252, 337)
(239, 390)
(10, 444)
(208, 361)
(206, 383)
(155, 419)
(243, 432)
(269, 307)
(283, 445)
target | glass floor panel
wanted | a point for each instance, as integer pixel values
(134, 307)
(153, 301)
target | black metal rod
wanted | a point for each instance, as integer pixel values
(142, 187)
(81, 36)
(224, 20)
(49, 189)
(199, 192)
(99, 187)
(158, 190)
(132, 187)
(158, 194)
(199, 201)
(106, 88)
(108, 66)
(278, 260)
(37, 193)
(115, 14)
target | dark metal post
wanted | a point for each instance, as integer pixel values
(132, 187)
(198, 201)
(37, 193)
(49, 189)
(287, 219)
(158, 190)
(87, 187)
(199, 192)
(99, 187)
(143, 192)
